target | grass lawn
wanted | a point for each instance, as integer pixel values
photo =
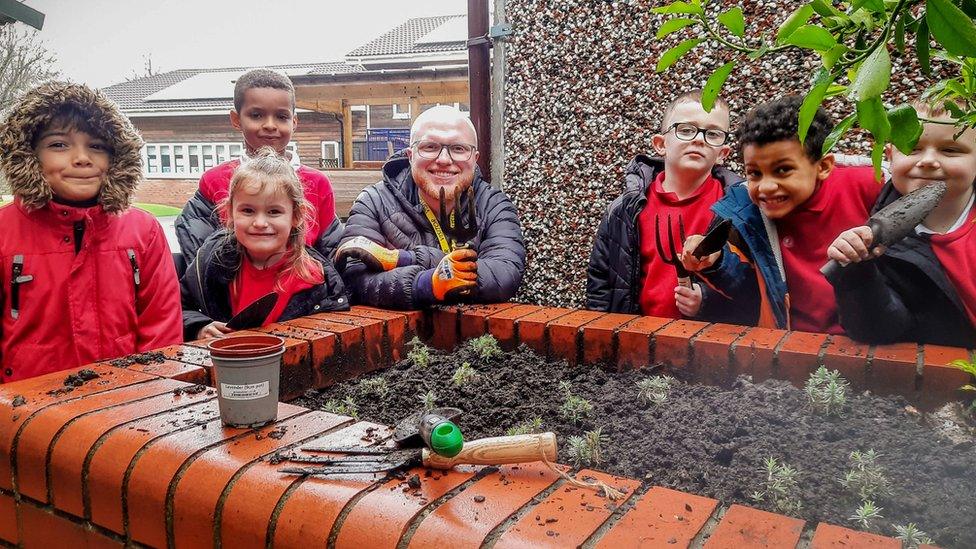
(158, 210)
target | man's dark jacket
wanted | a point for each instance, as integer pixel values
(613, 277)
(390, 214)
(904, 295)
(205, 287)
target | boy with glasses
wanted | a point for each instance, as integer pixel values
(396, 253)
(663, 194)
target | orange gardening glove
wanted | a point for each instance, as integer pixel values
(374, 256)
(457, 273)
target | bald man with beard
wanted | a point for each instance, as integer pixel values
(395, 254)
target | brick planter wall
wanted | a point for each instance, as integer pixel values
(135, 457)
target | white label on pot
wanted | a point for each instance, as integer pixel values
(245, 391)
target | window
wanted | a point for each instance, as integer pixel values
(330, 155)
(401, 112)
(181, 160)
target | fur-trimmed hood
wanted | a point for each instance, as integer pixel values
(34, 110)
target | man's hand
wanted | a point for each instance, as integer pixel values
(456, 272)
(374, 256)
(214, 329)
(688, 300)
(693, 264)
(854, 246)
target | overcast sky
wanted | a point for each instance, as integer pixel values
(101, 42)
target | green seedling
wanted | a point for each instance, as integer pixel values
(827, 391)
(346, 407)
(586, 449)
(486, 347)
(969, 368)
(419, 353)
(866, 513)
(428, 400)
(464, 374)
(526, 427)
(911, 537)
(574, 407)
(375, 386)
(866, 479)
(654, 390)
(781, 490)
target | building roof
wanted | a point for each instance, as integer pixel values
(195, 90)
(418, 35)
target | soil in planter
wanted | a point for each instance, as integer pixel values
(703, 439)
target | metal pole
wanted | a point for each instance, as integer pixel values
(479, 80)
(498, 102)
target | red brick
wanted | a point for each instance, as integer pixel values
(940, 380)
(444, 327)
(799, 356)
(578, 513)
(848, 357)
(246, 511)
(503, 324)
(42, 528)
(600, 338)
(374, 337)
(322, 345)
(474, 318)
(189, 354)
(8, 519)
(352, 352)
(713, 352)
(829, 536)
(747, 527)
(199, 490)
(38, 434)
(565, 335)
(414, 319)
(36, 398)
(146, 486)
(171, 369)
(397, 331)
(894, 369)
(672, 344)
(106, 468)
(295, 526)
(465, 519)
(663, 517)
(380, 518)
(635, 340)
(755, 352)
(531, 328)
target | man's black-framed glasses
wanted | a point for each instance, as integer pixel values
(688, 132)
(459, 152)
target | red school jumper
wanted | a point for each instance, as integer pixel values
(843, 201)
(956, 252)
(658, 279)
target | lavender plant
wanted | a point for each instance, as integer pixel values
(419, 353)
(827, 391)
(781, 489)
(911, 537)
(866, 513)
(486, 347)
(464, 374)
(654, 390)
(586, 449)
(346, 407)
(526, 427)
(866, 479)
(574, 407)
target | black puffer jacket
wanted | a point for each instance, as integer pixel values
(613, 279)
(904, 295)
(389, 213)
(205, 287)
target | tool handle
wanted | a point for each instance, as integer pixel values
(685, 282)
(498, 451)
(830, 268)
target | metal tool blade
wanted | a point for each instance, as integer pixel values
(254, 314)
(714, 239)
(407, 431)
(897, 220)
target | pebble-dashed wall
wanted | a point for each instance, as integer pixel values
(582, 98)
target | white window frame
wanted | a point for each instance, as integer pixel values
(397, 115)
(178, 161)
(335, 147)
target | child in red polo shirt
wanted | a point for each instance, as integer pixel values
(793, 203)
(262, 250)
(922, 288)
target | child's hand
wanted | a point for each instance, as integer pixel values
(214, 329)
(853, 246)
(692, 263)
(688, 300)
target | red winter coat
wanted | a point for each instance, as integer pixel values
(119, 295)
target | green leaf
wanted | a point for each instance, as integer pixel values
(954, 109)
(873, 76)
(823, 8)
(763, 48)
(875, 6)
(922, 45)
(951, 27)
(905, 127)
(811, 37)
(676, 52)
(797, 19)
(831, 56)
(900, 35)
(872, 117)
(734, 21)
(839, 130)
(714, 85)
(680, 7)
(877, 155)
(969, 7)
(673, 25)
(812, 102)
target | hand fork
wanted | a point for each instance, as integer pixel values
(684, 279)
(464, 230)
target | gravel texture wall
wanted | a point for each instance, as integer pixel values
(582, 99)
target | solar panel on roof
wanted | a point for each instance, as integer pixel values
(208, 85)
(452, 30)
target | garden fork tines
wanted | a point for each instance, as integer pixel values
(465, 228)
(684, 279)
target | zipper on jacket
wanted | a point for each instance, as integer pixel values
(15, 282)
(135, 268)
(635, 263)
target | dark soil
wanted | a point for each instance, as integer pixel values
(74, 380)
(705, 439)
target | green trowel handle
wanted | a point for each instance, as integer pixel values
(498, 451)
(441, 435)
